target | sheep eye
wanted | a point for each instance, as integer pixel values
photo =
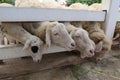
(77, 36)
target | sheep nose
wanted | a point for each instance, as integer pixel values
(72, 44)
(92, 52)
(34, 49)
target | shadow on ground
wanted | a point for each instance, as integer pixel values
(107, 69)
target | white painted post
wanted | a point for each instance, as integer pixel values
(111, 17)
(105, 4)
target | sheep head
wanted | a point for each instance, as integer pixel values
(35, 46)
(58, 35)
(83, 43)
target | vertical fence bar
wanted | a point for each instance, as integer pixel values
(111, 17)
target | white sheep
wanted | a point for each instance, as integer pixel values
(103, 44)
(51, 33)
(28, 3)
(5, 5)
(38, 4)
(79, 6)
(83, 43)
(95, 7)
(31, 42)
(9, 39)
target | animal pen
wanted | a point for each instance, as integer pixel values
(110, 15)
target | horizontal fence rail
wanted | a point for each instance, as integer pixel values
(15, 51)
(43, 14)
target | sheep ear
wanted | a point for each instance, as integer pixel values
(99, 47)
(71, 33)
(48, 33)
(48, 37)
(27, 44)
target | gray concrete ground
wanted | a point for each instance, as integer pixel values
(107, 69)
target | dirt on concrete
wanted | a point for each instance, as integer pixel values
(107, 69)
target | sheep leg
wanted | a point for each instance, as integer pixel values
(15, 30)
(10, 40)
(6, 42)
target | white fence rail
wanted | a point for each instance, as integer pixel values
(32, 14)
(36, 14)
(15, 51)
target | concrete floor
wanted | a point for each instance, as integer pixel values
(25, 69)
